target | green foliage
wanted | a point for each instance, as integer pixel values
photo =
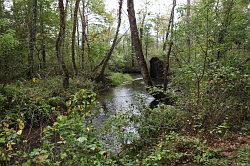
(98, 7)
(37, 111)
(34, 109)
(10, 130)
(119, 78)
(243, 156)
(174, 149)
(162, 119)
(158, 93)
(8, 53)
(83, 100)
(68, 142)
(2, 100)
(228, 89)
(210, 74)
(123, 127)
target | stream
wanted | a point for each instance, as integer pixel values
(129, 98)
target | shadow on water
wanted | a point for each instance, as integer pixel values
(127, 98)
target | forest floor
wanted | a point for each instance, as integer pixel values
(35, 96)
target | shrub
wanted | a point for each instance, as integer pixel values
(162, 119)
(70, 141)
(10, 130)
(83, 100)
(175, 149)
(228, 91)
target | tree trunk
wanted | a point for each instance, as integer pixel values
(146, 46)
(43, 45)
(109, 53)
(32, 40)
(59, 43)
(170, 23)
(170, 31)
(137, 44)
(167, 66)
(78, 52)
(84, 34)
(43, 52)
(73, 41)
(1, 8)
(188, 25)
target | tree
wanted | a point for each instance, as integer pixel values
(188, 34)
(74, 36)
(1, 8)
(136, 43)
(110, 51)
(84, 35)
(59, 42)
(225, 23)
(32, 39)
(42, 18)
(170, 30)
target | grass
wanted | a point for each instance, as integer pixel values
(119, 78)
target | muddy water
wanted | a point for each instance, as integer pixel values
(129, 98)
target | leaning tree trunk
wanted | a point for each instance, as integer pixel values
(59, 44)
(32, 40)
(73, 41)
(169, 31)
(137, 44)
(100, 75)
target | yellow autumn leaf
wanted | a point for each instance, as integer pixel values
(34, 80)
(9, 146)
(19, 132)
(68, 103)
(21, 125)
(61, 138)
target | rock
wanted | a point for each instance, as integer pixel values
(156, 68)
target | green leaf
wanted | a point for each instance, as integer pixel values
(82, 139)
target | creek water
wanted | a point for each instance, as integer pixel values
(130, 98)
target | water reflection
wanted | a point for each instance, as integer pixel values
(127, 98)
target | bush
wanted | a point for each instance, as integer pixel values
(83, 100)
(70, 142)
(162, 119)
(17, 102)
(11, 129)
(228, 90)
(175, 149)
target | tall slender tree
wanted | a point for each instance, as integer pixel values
(169, 31)
(1, 8)
(84, 22)
(32, 38)
(137, 43)
(188, 25)
(43, 34)
(60, 41)
(73, 40)
(110, 51)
